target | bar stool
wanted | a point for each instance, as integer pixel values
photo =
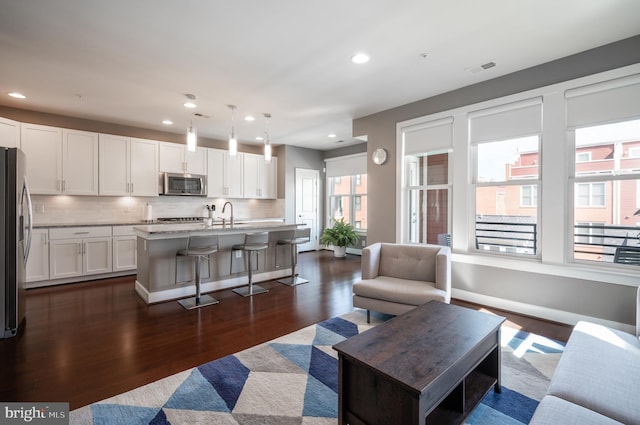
(253, 243)
(199, 247)
(297, 237)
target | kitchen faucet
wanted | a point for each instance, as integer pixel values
(231, 212)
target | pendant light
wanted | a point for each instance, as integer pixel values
(267, 142)
(192, 138)
(233, 142)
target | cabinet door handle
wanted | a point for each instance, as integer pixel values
(81, 233)
(79, 248)
(131, 187)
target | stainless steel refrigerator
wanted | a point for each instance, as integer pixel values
(15, 237)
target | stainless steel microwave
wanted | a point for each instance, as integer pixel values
(183, 184)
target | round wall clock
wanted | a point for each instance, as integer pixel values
(379, 156)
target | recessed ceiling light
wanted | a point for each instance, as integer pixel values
(259, 138)
(167, 122)
(332, 136)
(360, 58)
(190, 105)
(249, 118)
(17, 95)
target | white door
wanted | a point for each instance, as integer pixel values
(307, 200)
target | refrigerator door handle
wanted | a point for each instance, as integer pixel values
(27, 248)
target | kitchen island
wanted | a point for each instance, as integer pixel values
(157, 245)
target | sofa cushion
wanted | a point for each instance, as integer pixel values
(600, 370)
(411, 292)
(411, 262)
(553, 411)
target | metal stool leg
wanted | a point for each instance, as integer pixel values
(250, 289)
(199, 300)
(294, 279)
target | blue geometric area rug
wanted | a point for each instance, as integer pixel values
(294, 380)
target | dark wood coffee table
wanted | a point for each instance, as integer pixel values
(432, 365)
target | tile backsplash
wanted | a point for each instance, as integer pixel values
(62, 209)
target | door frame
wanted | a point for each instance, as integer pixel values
(314, 244)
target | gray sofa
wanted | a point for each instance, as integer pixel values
(396, 278)
(597, 380)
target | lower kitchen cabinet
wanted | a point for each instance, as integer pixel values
(124, 248)
(38, 262)
(80, 251)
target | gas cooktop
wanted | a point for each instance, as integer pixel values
(180, 219)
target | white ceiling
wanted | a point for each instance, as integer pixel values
(131, 62)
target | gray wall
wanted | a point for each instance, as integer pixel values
(583, 297)
(290, 158)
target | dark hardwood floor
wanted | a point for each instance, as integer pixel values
(84, 342)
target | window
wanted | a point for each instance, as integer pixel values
(583, 156)
(529, 196)
(347, 190)
(428, 197)
(607, 191)
(427, 182)
(348, 200)
(590, 194)
(505, 142)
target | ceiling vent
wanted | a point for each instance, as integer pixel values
(480, 68)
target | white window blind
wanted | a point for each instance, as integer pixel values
(349, 165)
(510, 121)
(428, 137)
(609, 101)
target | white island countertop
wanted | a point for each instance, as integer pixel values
(169, 231)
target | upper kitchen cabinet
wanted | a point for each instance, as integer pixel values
(128, 167)
(9, 133)
(43, 148)
(260, 177)
(175, 158)
(79, 162)
(60, 161)
(225, 174)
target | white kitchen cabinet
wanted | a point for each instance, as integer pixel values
(38, 262)
(128, 166)
(175, 158)
(43, 148)
(79, 162)
(225, 174)
(79, 251)
(124, 248)
(60, 161)
(260, 177)
(9, 133)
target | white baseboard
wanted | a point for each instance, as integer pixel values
(536, 311)
(187, 291)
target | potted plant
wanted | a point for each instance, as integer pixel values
(341, 235)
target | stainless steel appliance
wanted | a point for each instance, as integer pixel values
(15, 234)
(183, 184)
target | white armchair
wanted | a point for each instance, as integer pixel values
(397, 278)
